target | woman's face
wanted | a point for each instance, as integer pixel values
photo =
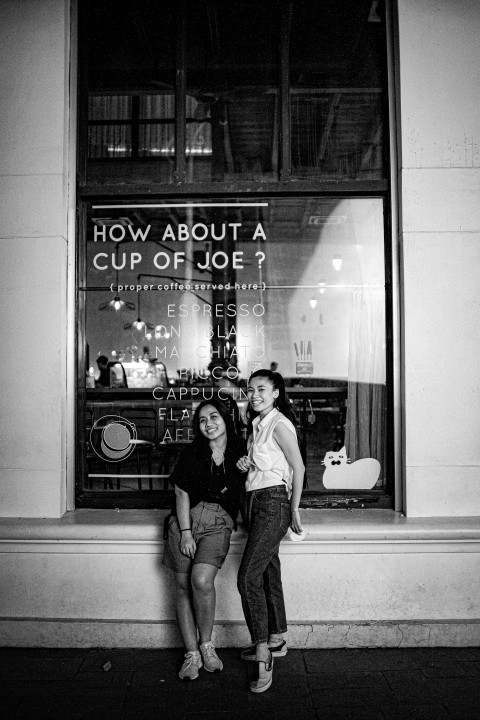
(261, 395)
(211, 423)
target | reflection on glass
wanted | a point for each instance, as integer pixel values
(128, 65)
(337, 90)
(234, 76)
(239, 57)
(214, 290)
(112, 141)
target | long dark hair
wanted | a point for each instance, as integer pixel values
(282, 403)
(224, 412)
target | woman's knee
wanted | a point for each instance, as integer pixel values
(202, 582)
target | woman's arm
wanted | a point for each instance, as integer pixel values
(243, 463)
(287, 442)
(187, 543)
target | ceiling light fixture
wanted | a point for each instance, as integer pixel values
(161, 335)
(116, 303)
(138, 324)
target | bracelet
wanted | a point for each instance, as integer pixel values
(185, 529)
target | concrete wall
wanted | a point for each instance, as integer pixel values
(34, 113)
(439, 174)
(361, 578)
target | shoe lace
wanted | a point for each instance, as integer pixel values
(209, 650)
(190, 658)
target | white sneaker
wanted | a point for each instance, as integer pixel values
(263, 677)
(191, 666)
(211, 661)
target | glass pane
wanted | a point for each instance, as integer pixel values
(157, 107)
(109, 141)
(232, 73)
(199, 138)
(185, 299)
(129, 52)
(338, 89)
(157, 140)
(109, 107)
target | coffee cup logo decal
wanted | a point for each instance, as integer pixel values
(113, 438)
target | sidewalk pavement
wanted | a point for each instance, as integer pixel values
(118, 684)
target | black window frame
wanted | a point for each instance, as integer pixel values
(90, 193)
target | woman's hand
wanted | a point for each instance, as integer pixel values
(188, 544)
(295, 524)
(244, 463)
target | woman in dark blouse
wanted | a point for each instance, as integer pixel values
(208, 491)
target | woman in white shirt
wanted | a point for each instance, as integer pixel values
(274, 487)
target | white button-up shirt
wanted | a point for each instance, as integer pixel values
(270, 466)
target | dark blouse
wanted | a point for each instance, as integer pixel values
(203, 480)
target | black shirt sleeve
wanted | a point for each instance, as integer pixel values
(181, 472)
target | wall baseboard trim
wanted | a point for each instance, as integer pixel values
(63, 633)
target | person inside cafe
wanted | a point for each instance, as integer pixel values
(103, 379)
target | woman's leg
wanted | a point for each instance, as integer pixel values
(204, 598)
(272, 583)
(277, 619)
(250, 584)
(259, 585)
(185, 613)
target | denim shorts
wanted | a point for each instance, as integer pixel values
(211, 529)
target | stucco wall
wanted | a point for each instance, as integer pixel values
(34, 69)
(363, 578)
(439, 177)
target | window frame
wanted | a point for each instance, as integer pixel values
(284, 186)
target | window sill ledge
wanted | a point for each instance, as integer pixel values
(327, 531)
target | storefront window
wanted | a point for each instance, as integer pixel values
(217, 92)
(185, 299)
(233, 203)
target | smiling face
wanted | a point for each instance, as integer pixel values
(211, 424)
(261, 395)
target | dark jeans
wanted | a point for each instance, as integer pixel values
(259, 577)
